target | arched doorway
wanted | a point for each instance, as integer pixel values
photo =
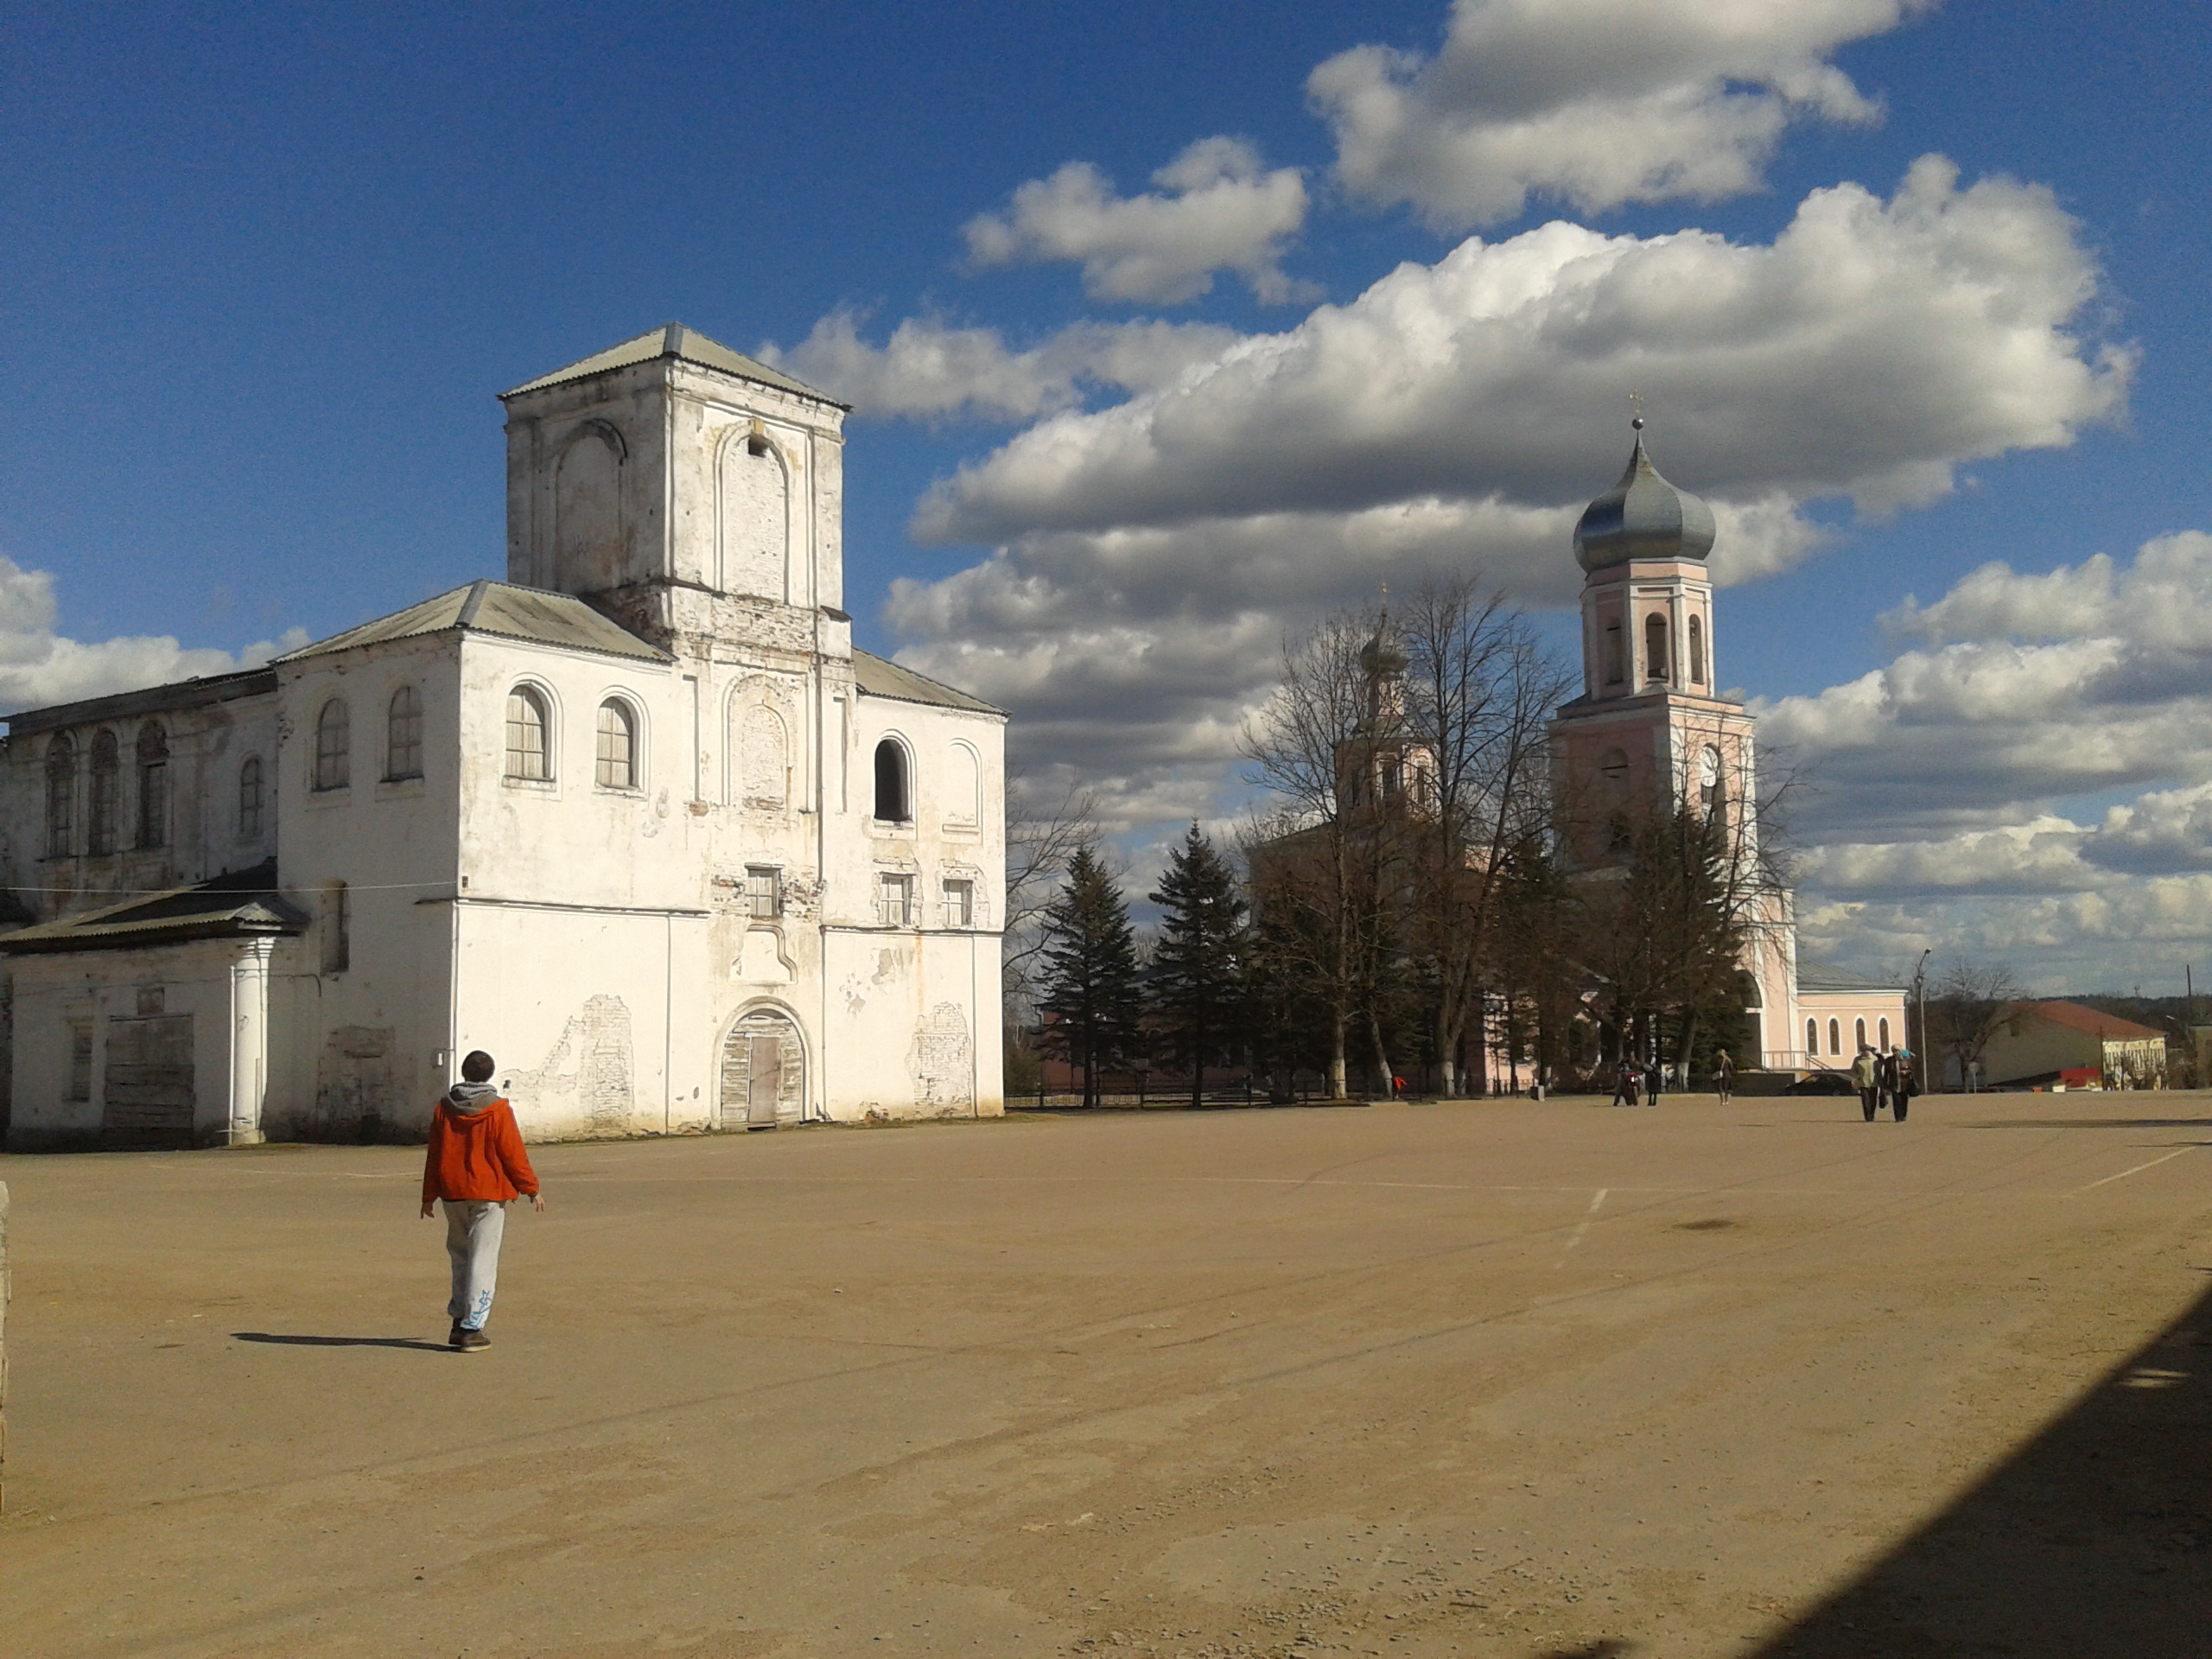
(763, 1071)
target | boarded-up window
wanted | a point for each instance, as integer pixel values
(336, 925)
(147, 1101)
(60, 798)
(527, 753)
(80, 1060)
(334, 746)
(963, 788)
(404, 734)
(587, 511)
(616, 760)
(106, 782)
(153, 786)
(763, 759)
(249, 799)
(753, 502)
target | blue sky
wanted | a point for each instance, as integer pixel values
(266, 269)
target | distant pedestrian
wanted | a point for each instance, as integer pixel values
(1724, 1075)
(1655, 1075)
(1866, 1081)
(475, 1167)
(1397, 1088)
(1885, 1081)
(1625, 1083)
(1908, 1083)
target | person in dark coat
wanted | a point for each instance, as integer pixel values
(1724, 1075)
(1655, 1075)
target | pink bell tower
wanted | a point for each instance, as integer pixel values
(1651, 727)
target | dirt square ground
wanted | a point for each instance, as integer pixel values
(1481, 1378)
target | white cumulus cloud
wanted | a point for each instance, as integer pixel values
(1218, 209)
(929, 369)
(40, 666)
(1594, 103)
(1866, 352)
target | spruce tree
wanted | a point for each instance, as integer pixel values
(1197, 990)
(1091, 994)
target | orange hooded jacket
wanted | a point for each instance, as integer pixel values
(476, 1155)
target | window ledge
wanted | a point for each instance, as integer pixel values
(540, 786)
(632, 791)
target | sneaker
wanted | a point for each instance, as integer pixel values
(454, 1339)
(473, 1340)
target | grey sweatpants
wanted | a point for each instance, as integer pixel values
(473, 1230)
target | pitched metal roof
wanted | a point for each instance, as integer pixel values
(877, 677)
(674, 340)
(243, 903)
(121, 705)
(2078, 1016)
(503, 610)
(1814, 974)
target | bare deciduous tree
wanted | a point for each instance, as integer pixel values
(1969, 1000)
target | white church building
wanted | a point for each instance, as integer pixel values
(638, 820)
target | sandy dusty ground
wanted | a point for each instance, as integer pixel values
(1484, 1378)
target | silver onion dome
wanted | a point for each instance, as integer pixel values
(1384, 656)
(1642, 517)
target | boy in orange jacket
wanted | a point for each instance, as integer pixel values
(476, 1166)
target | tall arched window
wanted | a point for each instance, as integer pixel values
(1712, 791)
(1697, 651)
(107, 765)
(1654, 646)
(60, 798)
(1858, 1037)
(894, 803)
(153, 786)
(403, 734)
(1615, 670)
(249, 799)
(334, 746)
(1835, 1036)
(1812, 1039)
(527, 755)
(1884, 1029)
(618, 746)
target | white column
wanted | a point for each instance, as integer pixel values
(249, 1042)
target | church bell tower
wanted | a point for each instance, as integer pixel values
(688, 491)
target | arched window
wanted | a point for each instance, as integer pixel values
(1616, 668)
(249, 799)
(527, 756)
(1835, 1036)
(1812, 1039)
(1697, 651)
(337, 925)
(1654, 646)
(892, 804)
(1884, 1029)
(763, 758)
(402, 735)
(106, 764)
(334, 743)
(618, 746)
(1711, 790)
(1858, 1037)
(60, 798)
(153, 786)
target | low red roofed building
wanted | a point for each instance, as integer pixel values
(2057, 1042)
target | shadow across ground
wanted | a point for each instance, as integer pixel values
(2093, 1539)
(342, 1342)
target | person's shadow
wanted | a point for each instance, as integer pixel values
(342, 1342)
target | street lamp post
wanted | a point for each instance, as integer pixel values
(1920, 997)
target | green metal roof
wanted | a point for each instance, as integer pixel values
(1814, 974)
(674, 340)
(879, 678)
(503, 610)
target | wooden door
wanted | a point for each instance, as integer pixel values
(764, 1081)
(148, 1100)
